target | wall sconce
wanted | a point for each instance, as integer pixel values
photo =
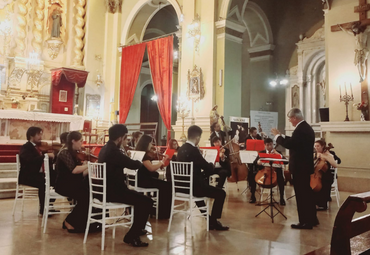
(194, 32)
(99, 80)
(277, 81)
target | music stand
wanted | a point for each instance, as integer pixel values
(271, 205)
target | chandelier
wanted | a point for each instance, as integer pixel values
(194, 32)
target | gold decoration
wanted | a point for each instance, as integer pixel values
(54, 46)
(113, 5)
(195, 89)
(37, 28)
(80, 33)
(21, 29)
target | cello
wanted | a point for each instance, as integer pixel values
(239, 170)
(320, 167)
(267, 177)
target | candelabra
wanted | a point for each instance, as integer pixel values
(33, 66)
(183, 110)
(346, 98)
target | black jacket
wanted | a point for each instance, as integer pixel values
(31, 163)
(115, 163)
(300, 146)
(189, 153)
(222, 137)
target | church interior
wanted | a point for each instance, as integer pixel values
(161, 66)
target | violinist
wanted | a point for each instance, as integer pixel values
(321, 197)
(135, 139)
(217, 132)
(148, 180)
(251, 167)
(71, 172)
(269, 149)
(124, 147)
(32, 169)
(223, 170)
(174, 145)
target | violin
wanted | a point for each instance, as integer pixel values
(85, 155)
(45, 147)
(320, 167)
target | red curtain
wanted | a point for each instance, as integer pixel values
(160, 54)
(132, 58)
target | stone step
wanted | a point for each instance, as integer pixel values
(7, 193)
(8, 173)
(8, 183)
(8, 166)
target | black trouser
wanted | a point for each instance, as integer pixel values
(165, 195)
(280, 181)
(305, 199)
(223, 174)
(251, 179)
(321, 197)
(142, 205)
(212, 192)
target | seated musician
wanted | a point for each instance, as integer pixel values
(32, 160)
(117, 191)
(224, 169)
(135, 139)
(217, 132)
(269, 149)
(321, 197)
(189, 152)
(251, 167)
(70, 183)
(174, 145)
(147, 180)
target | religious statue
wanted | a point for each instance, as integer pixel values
(57, 23)
(322, 86)
(195, 87)
(361, 51)
(214, 116)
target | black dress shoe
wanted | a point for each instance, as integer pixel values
(315, 222)
(143, 232)
(282, 201)
(135, 242)
(218, 226)
(252, 200)
(301, 226)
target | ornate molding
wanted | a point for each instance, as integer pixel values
(21, 28)
(38, 25)
(54, 46)
(195, 90)
(34, 78)
(113, 5)
(80, 33)
(15, 77)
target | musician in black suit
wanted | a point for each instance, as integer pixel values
(32, 160)
(252, 170)
(217, 132)
(269, 149)
(224, 169)
(300, 146)
(117, 191)
(189, 152)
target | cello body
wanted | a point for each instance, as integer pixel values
(315, 179)
(266, 178)
(239, 171)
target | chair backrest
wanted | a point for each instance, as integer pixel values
(131, 177)
(97, 181)
(182, 177)
(18, 166)
(47, 170)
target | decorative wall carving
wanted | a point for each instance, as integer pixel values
(15, 77)
(80, 33)
(33, 79)
(92, 105)
(38, 26)
(54, 45)
(21, 28)
(295, 96)
(195, 89)
(113, 5)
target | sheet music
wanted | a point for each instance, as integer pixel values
(248, 157)
(210, 155)
(137, 155)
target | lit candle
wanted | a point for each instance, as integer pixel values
(345, 89)
(351, 89)
(340, 92)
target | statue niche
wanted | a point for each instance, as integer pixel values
(54, 28)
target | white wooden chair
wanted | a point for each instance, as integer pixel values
(23, 192)
(58, 206)
(334, 187)
(182, 190)
(98, 199)
(132, 183)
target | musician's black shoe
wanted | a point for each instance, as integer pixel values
(217, 226)
(143, 232)
(316, 222)
(282, 201)
(301, 226)
(252, 200)
(135, 242)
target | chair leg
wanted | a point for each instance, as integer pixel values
(207, 215)
(191, 220)
(23, 191)
(88, 223)
(15, 200)
(103, 230)
(157, 209)
(169, 223)
(46, 211)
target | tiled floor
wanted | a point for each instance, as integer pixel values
(247, 235)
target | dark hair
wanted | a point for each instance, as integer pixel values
(268, 140)
(251, 130)
(74, 135)
(136, 134)
(32, 131)
(143, 143)
(194, 131)
(170, 142)
(321, 142)
(215, 139)
(116, 131)
(63, 137)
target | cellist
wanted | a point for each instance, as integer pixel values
(253, 134)
(322, 153)
(269, 149)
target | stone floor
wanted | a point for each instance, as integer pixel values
(22, 233)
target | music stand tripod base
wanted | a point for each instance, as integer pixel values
(271, 205)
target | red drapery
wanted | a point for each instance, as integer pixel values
(160, 53)
(132, 58)
(71, 75)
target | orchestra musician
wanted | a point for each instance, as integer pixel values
(70, 183)
(224, 170)
(217, 132)
(135, 139)
(117, 191)
(189, 152)
(174, 145)
(321, 197)
(251, 167)
(269, 149)
(300, 146)
(147, 180)
(32, 160)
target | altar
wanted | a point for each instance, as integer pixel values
(14, 125)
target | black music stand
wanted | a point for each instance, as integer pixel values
(271, 205)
